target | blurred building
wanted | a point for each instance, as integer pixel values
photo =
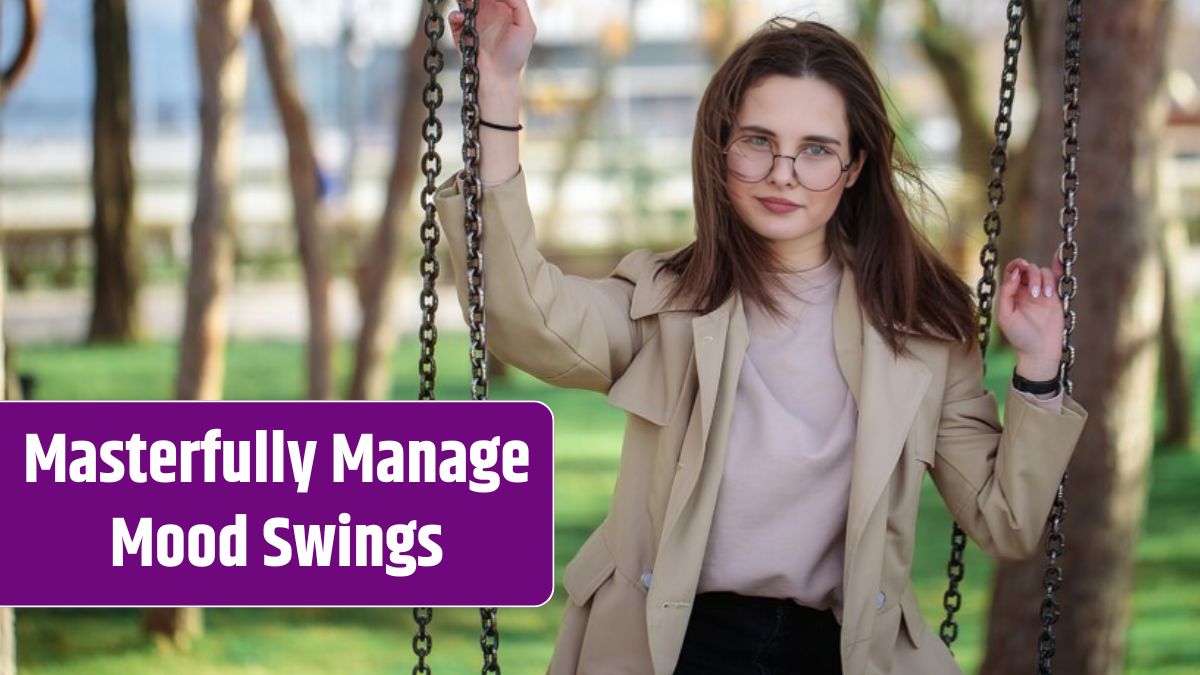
(631, 182)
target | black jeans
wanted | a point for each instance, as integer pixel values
(731, 634)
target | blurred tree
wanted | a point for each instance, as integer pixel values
(32, 12)
(1178, 424)
(870, 14)
(723, 25)
(1176, 371)
(117, 270)
(375, 274)
(302, 172)
(220, 25)
(616, 41)
(9, 75)
(1119, 303)
(950, 51)
(176, 625)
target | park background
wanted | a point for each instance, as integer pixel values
(170, 267)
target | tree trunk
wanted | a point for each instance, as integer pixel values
(376, 272)
(1118, 304)
(117, 266)
(178, 625)
(222, 61)
(302, 171)
(949, 50)
(1176, 371)
(8, 78)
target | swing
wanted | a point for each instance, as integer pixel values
(431, 167)
(1052, 579)
(472, 190)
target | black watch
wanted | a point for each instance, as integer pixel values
(1031, 387)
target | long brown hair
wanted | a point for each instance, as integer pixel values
(903, 284)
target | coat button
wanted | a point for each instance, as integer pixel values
(880, 600)
(647, 577)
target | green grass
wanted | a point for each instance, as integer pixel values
(588, 434)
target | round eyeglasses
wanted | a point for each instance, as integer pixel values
(817, 168)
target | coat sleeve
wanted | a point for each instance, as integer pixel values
(1000, 480)
(563, 329)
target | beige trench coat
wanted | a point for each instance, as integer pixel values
(675, 372)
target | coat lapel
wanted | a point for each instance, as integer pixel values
(719, 341)
(888, 391)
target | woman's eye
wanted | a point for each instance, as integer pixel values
(814, 150)
(758, 141)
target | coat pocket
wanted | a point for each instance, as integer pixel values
(590, 568)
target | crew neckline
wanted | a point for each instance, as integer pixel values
(814, 277)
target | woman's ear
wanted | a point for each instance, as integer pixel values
(856, 169)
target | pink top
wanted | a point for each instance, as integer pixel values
(779, 525)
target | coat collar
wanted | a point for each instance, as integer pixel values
(652, 294)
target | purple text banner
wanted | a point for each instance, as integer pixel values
(276, 503)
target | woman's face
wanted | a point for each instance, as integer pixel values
(799, 117)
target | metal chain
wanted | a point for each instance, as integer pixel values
(422, 642)
(489, 640)
(1068, 253)
(986, 288)
(431, 166)
(952, 599)
(472, 194)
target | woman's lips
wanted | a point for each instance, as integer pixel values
(778, 205)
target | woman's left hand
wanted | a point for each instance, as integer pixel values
(1030, 314)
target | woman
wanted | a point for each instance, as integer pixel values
(790, 377)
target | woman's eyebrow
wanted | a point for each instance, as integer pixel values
(813, 138)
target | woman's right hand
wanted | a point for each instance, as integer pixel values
(506, 33)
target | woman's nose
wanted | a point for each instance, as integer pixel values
(783, 171)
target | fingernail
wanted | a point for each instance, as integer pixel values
(1035, 290)
(1049, 292)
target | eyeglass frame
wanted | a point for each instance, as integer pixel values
(795, 173)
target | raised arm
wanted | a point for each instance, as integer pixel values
(506, 32)
(564, 329)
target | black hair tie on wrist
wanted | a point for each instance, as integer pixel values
(501, 127)
(1031, 387)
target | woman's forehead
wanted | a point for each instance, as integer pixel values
(795, 108)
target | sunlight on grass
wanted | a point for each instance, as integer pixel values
(311, 641)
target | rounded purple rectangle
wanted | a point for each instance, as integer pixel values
(470, 523)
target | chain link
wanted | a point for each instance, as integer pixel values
(952, 599)
(472, 196)
(431, 166)
(422, 642)
(489, 640)
(986, 288)
(1068, 253)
